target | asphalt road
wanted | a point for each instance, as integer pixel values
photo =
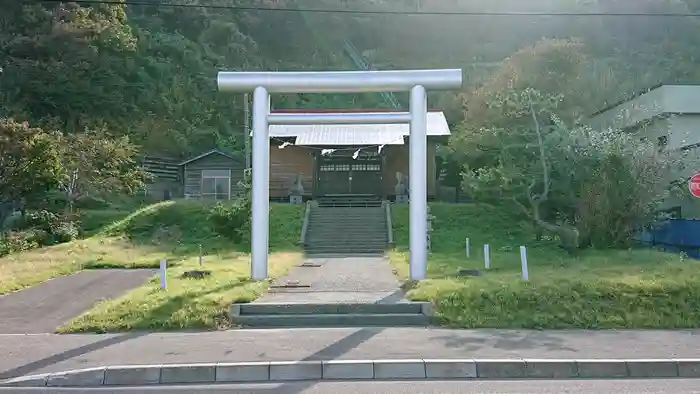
(46, 306)
(676, 386)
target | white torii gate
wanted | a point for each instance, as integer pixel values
(264, 83)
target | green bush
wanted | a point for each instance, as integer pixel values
(231, 221)
(57, 202)
(43, 220)
(65, 232)
(36, 229)
(14, 242)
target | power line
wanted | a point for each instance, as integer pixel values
(383, 12)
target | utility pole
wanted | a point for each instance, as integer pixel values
(246, 129)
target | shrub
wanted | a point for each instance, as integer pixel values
(14, 242)
(43, 220)
(231, 221)
(57, 201)
(65, 232)
(36, 229)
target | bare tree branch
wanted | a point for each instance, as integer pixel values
(543, 155)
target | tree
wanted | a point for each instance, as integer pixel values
(93, 162)
(553, 67)
(589, 187)
(29, 164)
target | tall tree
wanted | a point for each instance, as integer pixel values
(29, 164)
(93, 162)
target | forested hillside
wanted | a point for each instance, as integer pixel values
(149, 71)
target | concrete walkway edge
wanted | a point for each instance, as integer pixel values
(285, 371)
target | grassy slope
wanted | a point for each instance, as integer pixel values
(172, 230)
(598, 289)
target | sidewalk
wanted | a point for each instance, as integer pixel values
(30, 354)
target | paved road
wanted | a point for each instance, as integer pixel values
(340, 279)
(28, 354)
(481, 387)
(46, 306)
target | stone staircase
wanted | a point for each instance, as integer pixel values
(347, 225)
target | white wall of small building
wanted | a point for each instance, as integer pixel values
(673, 112)
(630, 113)
(667, 99)
(684, 132)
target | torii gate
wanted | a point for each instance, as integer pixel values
(264, 83)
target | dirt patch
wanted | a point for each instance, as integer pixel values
(46, 306)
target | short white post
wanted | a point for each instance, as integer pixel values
(523, 263)
(487, 257)
(201, 258)
(467, 247)
(163, 272)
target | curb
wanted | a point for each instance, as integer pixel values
(281, 371)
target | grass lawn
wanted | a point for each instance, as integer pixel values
(186, 303)
(171, 230)
(637, 288)
(21, 270)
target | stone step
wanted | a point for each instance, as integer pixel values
(349, 215)
(343, 231)
(344, 252)
(331, 244)
(349, 233)
(375, 250)
(348, 238)
(341, 234)
(340, 228)
(349, 204)
(347, 227)
(311, 250)
(340, 225)
(329, 309)
(334, 320)
(339, 242)
(320, 255)
(335, 212)
(355, 223)
(346, 241)
(346, 210)
(373, 216)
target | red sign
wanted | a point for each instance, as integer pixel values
(694, 185)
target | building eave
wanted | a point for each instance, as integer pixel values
(209, 153)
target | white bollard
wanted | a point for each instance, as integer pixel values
(163, 272)
(467, 246)
(201, 259)
(523, 263)
(487, 257)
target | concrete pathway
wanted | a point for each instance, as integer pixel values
(46, 306)
(29, 354)
(340, 279)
